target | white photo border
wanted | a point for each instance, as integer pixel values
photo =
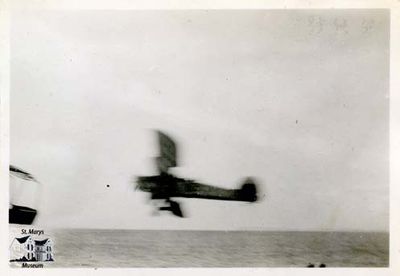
(394, 6)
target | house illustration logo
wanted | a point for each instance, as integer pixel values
(26, 249)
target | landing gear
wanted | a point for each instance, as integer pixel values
(172, 206)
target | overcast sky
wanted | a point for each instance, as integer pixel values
(296, 99)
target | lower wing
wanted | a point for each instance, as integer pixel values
(190, 189)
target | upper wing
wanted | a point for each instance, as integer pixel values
(168, 153)
(20, 173)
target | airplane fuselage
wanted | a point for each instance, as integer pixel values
(166, 186)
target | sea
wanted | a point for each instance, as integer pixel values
(155, 248)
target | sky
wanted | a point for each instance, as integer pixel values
(299, 100)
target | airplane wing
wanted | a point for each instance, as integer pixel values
(168, 153)
(20, 173)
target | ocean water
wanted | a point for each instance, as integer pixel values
(148, 248)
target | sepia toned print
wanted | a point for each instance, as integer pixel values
(199, 138)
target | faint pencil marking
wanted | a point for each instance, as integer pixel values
(367, 25)
(340, 25)
(316, 24)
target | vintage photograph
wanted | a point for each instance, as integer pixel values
(199, 138)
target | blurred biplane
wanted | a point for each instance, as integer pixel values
(165, 185)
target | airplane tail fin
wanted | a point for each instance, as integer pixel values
(248, 192)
